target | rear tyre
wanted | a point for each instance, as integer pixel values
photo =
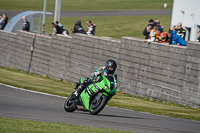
(68, 106)
(97, 105)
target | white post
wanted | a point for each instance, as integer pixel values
(39, 23)
(44, 16)
(57, 10)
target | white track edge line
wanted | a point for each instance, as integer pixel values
(37, 92)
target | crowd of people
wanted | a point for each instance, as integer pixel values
(154, 32)
(58, 28)
(3, 21)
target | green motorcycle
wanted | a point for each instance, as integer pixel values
(94, 97)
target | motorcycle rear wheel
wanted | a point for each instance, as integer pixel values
(68, 106)
(97, 106)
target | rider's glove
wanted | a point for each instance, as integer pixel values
(96, 73)
(87, 81)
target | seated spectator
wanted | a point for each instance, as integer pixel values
(26, 24)
(146, 31)
(57, 29)
(198, 39)
(78, 28)
(3, 21)
(91, 28)
(180, 31)
(153, 34)
(158, 24)
(177, 40)
(65, 32)
(163, 37)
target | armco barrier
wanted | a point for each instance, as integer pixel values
(158, 71)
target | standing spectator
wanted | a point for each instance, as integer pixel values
(180, 31)
(198, 39)
(174, 28)
(169, 38)
(177, 40)
(163, 37)
(3, 21)
(59, 24)
(158, 23)
(25, 24)
(78, 28)
(146, 32)
(65, 32)
(91, 28)
(153, 34)
(57, 29)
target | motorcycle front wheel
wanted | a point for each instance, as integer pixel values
(68, 106)
(97, 105)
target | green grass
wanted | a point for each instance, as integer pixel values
(85, 5)
(53, 86)
(35, 82)
(114, 26)
(109, 26)
(8, 125)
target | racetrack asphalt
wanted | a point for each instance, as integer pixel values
(11, 14)
(22, 104)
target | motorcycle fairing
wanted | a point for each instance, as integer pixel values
(96, 87)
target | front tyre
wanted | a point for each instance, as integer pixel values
(97, 104)
(68, 106)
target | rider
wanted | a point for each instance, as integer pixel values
(107, 70)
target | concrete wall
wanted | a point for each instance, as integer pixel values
(158, 71)
(187, 12)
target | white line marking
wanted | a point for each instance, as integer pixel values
(37, 92)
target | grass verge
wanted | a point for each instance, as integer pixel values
(53, 86)
(85, 5)
(26, 126)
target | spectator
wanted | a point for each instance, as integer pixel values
(91, 28)
(158, 24)
(180, 31)
(169, 39)
(198, 39)
(177, 40)
(146, 31)
(163, 37)
(4, 21)
(78, 28)
(1, 19)
(26, 24)
(59, 24)
(65, 32)
(153, 34)
(57, 29)
(174, 28)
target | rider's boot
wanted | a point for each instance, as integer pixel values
(81, 87)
